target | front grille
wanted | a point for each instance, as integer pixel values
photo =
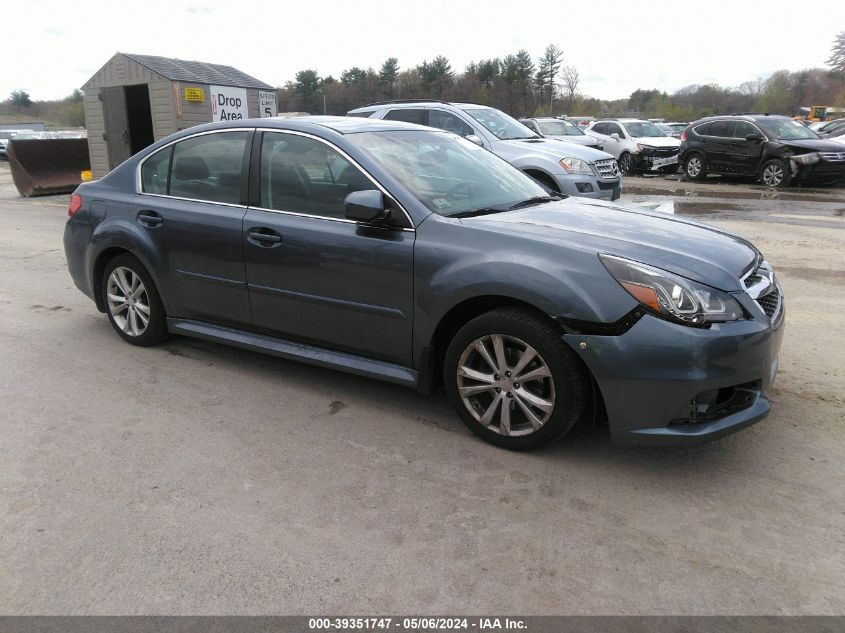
(832, 156)
(663, 152)
(607, 169)
(764, 289)
(771, 302)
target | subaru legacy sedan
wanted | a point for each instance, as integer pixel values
(412, 255)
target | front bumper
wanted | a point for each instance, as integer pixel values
(654, 377)
(589, 186)
(649, 163)
(822, 171)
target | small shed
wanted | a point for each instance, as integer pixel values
(135, 100)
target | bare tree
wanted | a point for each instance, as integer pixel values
(571, 78)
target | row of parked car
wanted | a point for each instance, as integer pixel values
(774, 149)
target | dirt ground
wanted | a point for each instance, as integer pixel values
(193, 478)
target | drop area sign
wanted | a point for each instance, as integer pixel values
(228, 104)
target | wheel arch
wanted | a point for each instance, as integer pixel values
(431, 373)
(543, 177)
(99, 266)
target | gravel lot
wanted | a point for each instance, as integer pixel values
(198, 479)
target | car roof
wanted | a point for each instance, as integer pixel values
(743, 117)
(383, 105)
(339, 124)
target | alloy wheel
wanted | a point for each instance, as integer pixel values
(506, 385)
(128, 302)
(773, 175)
(694, 167)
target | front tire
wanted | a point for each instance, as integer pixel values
(513, 381)
(626, 163)
(132, 302)
(775, 173)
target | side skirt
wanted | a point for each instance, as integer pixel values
(291, 350)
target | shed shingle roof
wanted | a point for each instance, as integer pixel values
(198, 72)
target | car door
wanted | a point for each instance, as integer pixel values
(187, 221)
(746, 154)
(613, 145)
(719, 145)
(313, 275)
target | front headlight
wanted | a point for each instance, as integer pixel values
(645, 149)
(806, 159)
(576, 166)
(671, 296)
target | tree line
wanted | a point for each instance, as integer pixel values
(522, 86)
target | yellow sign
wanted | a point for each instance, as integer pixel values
(194, 94)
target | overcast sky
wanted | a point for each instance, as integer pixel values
(51, 47)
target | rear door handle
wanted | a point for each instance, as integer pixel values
(264, 237)
(150, 219)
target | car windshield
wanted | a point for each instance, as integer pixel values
(448, 174)
(643, 129)
(500, 124)
(785, 129)
(559, 128)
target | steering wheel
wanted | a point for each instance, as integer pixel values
(461, 191)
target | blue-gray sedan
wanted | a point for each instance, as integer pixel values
(412, 255)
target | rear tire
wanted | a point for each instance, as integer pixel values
(132, 302)
(513, 381)
(695, 166)
(775, 173)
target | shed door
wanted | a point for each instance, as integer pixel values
(116, 124)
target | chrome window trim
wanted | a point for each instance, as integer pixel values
(323, 217)
(139, 188)
(351, 161)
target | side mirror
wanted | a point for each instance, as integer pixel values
(753, 137)
(365, 206)
(473, 138)
(615, 136)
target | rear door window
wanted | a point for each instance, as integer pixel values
(209, 167)
(408, 115)
(721, 128)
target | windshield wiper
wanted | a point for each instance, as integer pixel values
(532, 201)
(474, 212)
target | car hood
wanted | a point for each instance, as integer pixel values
(552, 148)
(657, 141)
(581, 139)
(814, 145)
(687, 248)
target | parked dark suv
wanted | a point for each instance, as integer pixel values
(409, 254)
(775, 149)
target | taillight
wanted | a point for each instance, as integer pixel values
(75, 205)
(684, 135)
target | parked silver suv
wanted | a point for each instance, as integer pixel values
(566, 168)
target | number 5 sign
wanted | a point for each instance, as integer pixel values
(267, 103)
